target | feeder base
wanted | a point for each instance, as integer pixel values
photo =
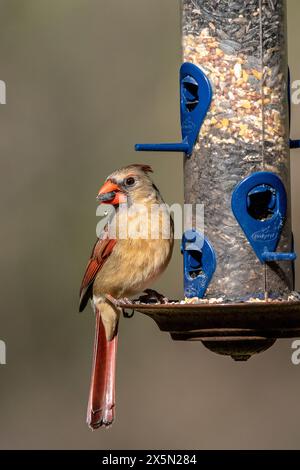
(240, 350)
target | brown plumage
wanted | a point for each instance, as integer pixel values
(122, 267)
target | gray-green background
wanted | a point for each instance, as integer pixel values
(86, 79)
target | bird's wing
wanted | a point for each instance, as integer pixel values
(101, 251)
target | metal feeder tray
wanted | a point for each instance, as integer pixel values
(235, 329)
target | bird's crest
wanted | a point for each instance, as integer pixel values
(145, 168)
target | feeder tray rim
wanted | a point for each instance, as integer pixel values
(177, 305)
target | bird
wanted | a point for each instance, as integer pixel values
(120, 267)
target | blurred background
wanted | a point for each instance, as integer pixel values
(86, 79)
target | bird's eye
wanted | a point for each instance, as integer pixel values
(130, 181)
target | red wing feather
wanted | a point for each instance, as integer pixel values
(101, 251)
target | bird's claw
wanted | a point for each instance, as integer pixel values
(127, 314)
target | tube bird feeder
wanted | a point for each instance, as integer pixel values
(241, 46)
(239, 273)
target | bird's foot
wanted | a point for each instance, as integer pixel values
(153, 297)
(123, 303)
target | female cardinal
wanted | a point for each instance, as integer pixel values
(122, 266)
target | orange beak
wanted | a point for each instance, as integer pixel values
(110, 193)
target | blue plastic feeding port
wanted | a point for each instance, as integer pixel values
(259, 203)
(195, 100)
(199, 261)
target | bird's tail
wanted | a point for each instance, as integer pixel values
(101, 406)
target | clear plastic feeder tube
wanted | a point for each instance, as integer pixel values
(241, 46)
